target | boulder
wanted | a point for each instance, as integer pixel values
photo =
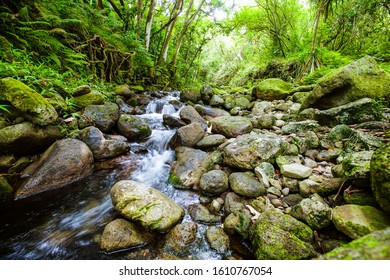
(246, 184)
(27, 138)
(206, 93)
(233, 203)
(103, 116)
(362, 78)
(121, 234)
(277, 236)
(231, 126)
(354, 166)
(211, 141)
(380, 176)
(272, 89)
(261, 108)
(81, 90)
(180, 236)
(188, 135)
(202, 214)
(31, 104)
(238, 223)
(249, 150)
(189, 167)
(373, 246)
(211, 112)
(214, 182)
(218, 239)
(123, 90)
(357, 221)
(138, 202)
(296, 171)
(133, 128)
(192, 95)
(189, 115)
(65, 162)
(172, 121)
(103, 146)
(359, 111)
(313, 211)
(5, 190)
(92, 98)
(217, 101)
(299, 127)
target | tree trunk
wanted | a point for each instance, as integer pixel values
(149, 23)
(99, 4)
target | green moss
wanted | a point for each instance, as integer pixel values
(93, 98)
(174, 180)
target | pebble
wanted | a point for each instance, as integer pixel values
(285, 191)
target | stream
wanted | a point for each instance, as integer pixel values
(67, 223)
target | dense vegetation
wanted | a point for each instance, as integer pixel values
(181, 43)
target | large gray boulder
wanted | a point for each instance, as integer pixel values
(103, 116)
(277, 236)
(27, 138)
(231, 126)
(104, 146)
(362, 78)
(380, 176)
(249, 150)
(189, 167)
(121, 234)
(65, 162)
(133, 128)
(140, 203)
(188, 135)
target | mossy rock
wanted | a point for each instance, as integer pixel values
(357, 221)
(272, 89)
(230, 126)
(133, 127)
(277, 236)
(31, 104)
(5, 190)
(380, 176)
(92, 98)
(374, 246)
(362, 78)
(137, 88)
(190, 94)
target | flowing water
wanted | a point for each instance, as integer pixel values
(67, 223)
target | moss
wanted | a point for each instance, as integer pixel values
(5, 190)
(93, 98)
(174, 180)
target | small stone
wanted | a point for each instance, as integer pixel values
(297, 171)
(274, 191)
(285, 191)
(218, 239)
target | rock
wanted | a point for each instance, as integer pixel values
(64, 162)
(180, 236)
(357, 221)
(6, 161)
(277, 236)
(146, 205)
(192, 95)
(202, 214)
(313, 211)
(218, 239)
(291, 184)
(359, 111)
(92, 98)
(250, 150)
(360, 198)
(31, 104)
(133, 128)
(81, 90)
(380, 176)
(172, 121)
(103, 147)
(272, 89)
(233, 203)
(104, 117)
(216, 205)
(266, 121)
(123, 90)
(137, 88)
(298, 127)
(246, 184)
(373, 246)
(56, 100)
(5, 190)
(214, 182)
(354, 166)
(189, 167)
(207, 111)
(329, 155)
(206, 93)
(239, 223)
(211, 141)
(261, 108)
(188, 135)
(308, 187)
(362, 78)
(121, 234)
(217, 100)
(231, 126)
(327, 186)
(27, 138)
(296, 171)
(189, 115)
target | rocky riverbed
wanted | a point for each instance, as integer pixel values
(278, 171)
